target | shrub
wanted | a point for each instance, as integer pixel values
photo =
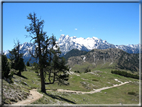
(125, 74)
(36, 71)
(36, 66)
(5, 67)
(87, 70)
(77, 71)
(131, 93)
(28, 64)
(11, 74)
(94, 80)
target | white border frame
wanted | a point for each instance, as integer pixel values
(78, 1)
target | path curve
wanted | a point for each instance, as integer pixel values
(91, 92)
(36, 95)
(33, 97)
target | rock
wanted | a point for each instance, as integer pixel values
(54, 89)
(33, 81)
(83, 82)
(66, 83)
(97, 71)
(25, 83)
(8, 80)
(16, 80)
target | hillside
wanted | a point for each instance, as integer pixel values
(87, 84)
(98, 86)
(74, 52)
(106, 58)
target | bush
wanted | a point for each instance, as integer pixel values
(131, 93)
(36, 66)
(77, 71)
(125, 74)
(94, 80)
(28, 64)
(5, 67)
(36, 71)
(87, 70)
(11, 74)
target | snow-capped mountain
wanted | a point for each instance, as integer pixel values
(24, 48)
(67, 43)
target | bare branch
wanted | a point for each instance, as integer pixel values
(31, 53)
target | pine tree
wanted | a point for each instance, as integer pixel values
(45, 48)
(28, 64)
(57, 68)
(36, 28)
(21, 65)
(5, 66)
(17, 62)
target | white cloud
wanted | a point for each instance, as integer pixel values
(75, 28)
(60, 29)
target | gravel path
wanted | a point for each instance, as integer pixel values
(33, 97)
(91, 92)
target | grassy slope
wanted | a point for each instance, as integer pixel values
(113, 96)
(13, 93)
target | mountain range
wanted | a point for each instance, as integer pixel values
(103, 58)
(67, 43)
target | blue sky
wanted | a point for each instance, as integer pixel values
(117, 23)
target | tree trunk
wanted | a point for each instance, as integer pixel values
(19, 73)
(41, 67)
(42, 81)
(53, 77)
(49, 76)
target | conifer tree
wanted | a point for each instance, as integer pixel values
(5, 66)
(45, 47)
(17, 62)
(28, 64)
(57, 68)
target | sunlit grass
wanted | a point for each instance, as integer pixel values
(85, 82)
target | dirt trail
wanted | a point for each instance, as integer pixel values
(91, 92)
(33, 97)
(36, 95)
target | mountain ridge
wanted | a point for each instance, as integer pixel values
(106, 58)
(67, 43)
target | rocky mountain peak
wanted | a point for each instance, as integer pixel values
(67, 43)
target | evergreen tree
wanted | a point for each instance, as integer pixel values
(28, 64)
(57, 69)
(5, 66)
(17, 62)
(21, 65)
(45, 49)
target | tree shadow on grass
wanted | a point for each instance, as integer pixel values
(21, 76)
(59, 98)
